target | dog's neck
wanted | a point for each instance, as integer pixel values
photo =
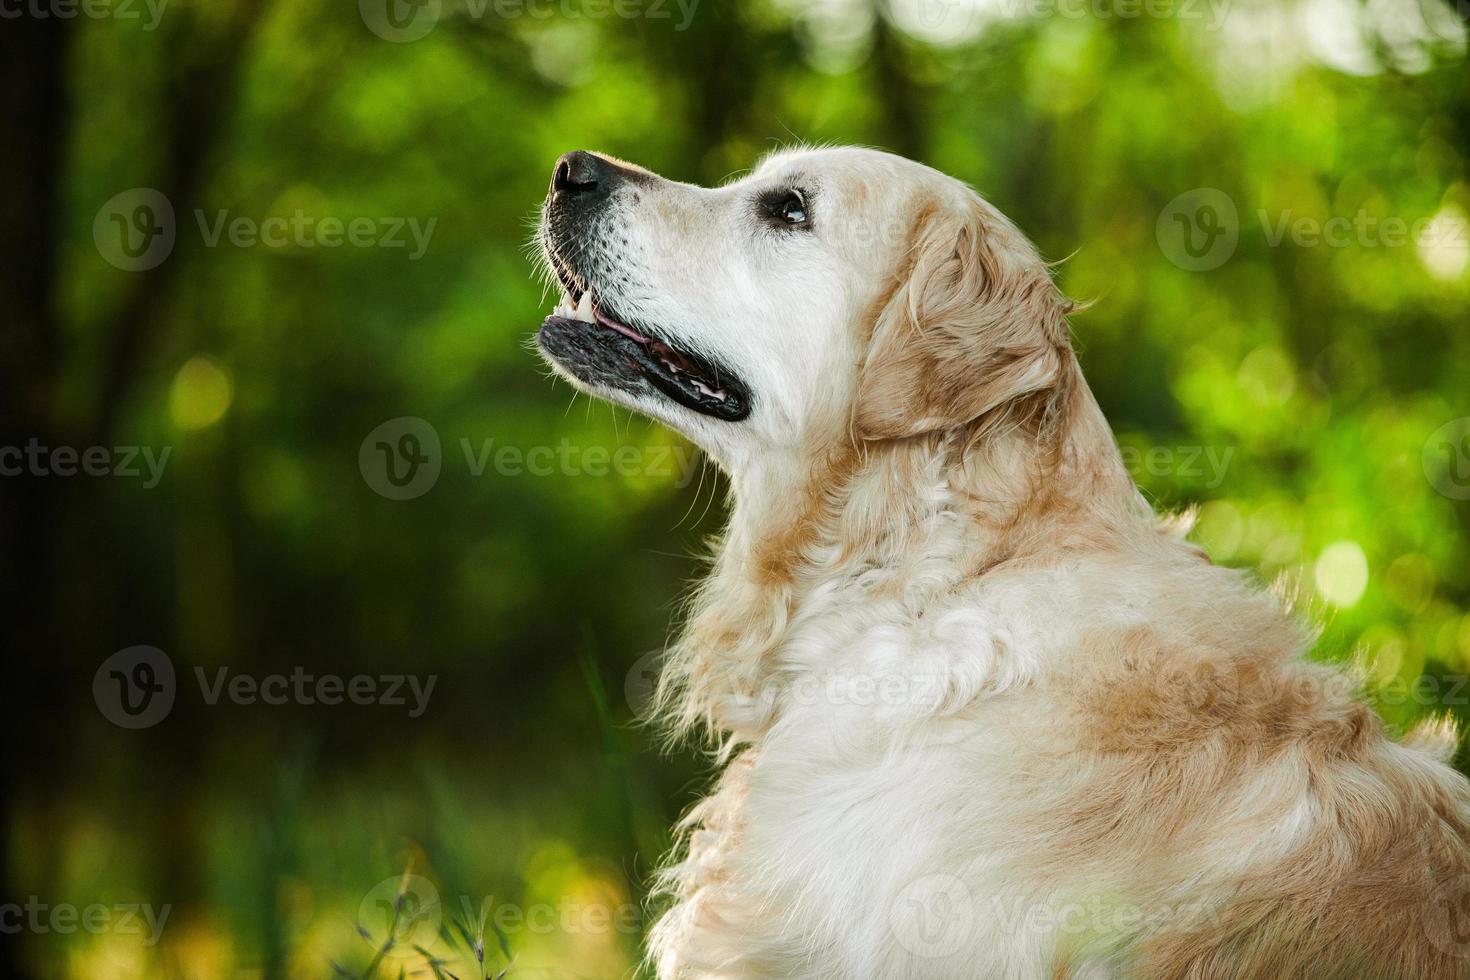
(914, 517)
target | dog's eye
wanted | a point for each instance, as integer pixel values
(786, 208)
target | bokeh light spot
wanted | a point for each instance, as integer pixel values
(201, 394)
(1341, 573)
(1444, 244)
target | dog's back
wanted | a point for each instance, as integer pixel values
(1179, 795)
(1223, 773)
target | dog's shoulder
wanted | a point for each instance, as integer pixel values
(1204, 753)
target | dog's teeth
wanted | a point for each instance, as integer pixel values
(584, 308)
(706, 389)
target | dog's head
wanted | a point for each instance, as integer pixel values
(832, 289)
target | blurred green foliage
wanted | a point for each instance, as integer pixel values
(1301, 393)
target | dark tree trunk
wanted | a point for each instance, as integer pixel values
(33, 130)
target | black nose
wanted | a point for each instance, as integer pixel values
(579, 172)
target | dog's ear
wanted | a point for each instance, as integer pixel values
(974, 325)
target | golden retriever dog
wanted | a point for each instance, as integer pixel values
(982, 714)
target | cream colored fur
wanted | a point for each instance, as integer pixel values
(981, 713)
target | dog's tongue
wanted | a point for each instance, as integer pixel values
(623, 329)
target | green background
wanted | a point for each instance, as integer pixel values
(1302, 393)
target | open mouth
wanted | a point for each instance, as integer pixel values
(596, 346)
